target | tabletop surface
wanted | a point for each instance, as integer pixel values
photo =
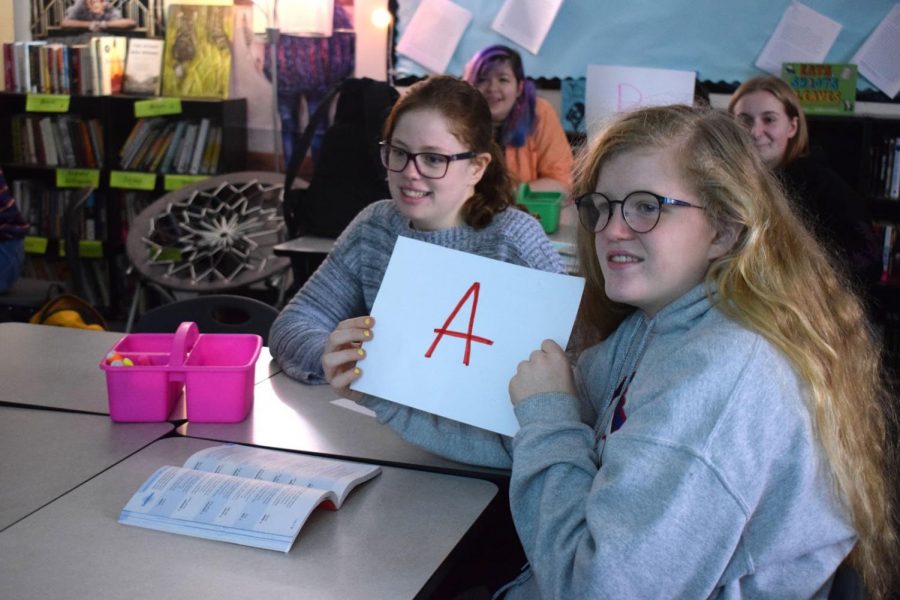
(46, 453)
(296, 416)
(47, 360)
(386, 541)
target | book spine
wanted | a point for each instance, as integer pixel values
(895, 174)
(174, 146)
(184, 157)
(9, 67)
(48, 142)
(199, 144)
(887, 246)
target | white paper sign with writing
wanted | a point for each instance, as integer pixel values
(611, 89)
(451, 328)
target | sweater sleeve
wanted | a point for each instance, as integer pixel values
(445, 437)
(332, 294)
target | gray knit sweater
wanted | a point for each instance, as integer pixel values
(346, 283)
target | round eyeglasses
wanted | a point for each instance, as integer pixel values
(430, 165)
(640, 210)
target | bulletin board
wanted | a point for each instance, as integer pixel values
(720, 40)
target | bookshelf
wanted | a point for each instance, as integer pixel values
(100, 224)
(855, 146)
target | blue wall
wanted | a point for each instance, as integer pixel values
(719, 39)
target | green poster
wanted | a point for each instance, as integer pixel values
(823, 88)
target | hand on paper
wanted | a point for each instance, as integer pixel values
(546, 370)
(342, 352)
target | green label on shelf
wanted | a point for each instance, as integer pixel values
(129, 180)
(174, 182)
(86, 249)
(77, 178)
(53, 103)
(35, 244)
(90, 249)
(157, 107)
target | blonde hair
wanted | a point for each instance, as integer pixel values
(798, 145)
(777, 281)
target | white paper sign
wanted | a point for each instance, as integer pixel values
(460, 367)
(803, 35)
(433, 33)
(613, 89)
(877, 59)
(526, 22)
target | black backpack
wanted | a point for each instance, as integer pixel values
(348, 175)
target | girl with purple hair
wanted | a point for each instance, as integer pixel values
(526, 126)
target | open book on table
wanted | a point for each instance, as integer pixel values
(243, 495)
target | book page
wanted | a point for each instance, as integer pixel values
(287, 468)
(877, 58)
(526, 22)
(221, 507)
(803, 35)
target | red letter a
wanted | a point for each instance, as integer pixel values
(468, 335)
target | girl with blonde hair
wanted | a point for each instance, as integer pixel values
(727, 436)
(741, 444)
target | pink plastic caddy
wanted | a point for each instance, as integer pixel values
(216, 371)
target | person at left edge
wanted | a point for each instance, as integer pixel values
(13, 228)
(448, 187)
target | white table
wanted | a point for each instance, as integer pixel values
(58, 367)
(45, 453)
(296, 416)
(387, 541)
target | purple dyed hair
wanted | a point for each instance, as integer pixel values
(520, 122)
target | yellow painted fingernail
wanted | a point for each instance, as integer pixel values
(367, 322)
(357, 371)
(360, 352)
(366, 333)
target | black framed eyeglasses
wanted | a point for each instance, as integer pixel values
(430, 165)
(640, 210)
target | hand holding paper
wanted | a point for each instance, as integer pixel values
(453, 326)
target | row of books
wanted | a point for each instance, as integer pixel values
(105, 65)
(44, 208)
(57, 141)
(163, 145)
(886, 168)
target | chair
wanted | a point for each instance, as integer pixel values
(26, 296)
(211, 237)
(215, 313)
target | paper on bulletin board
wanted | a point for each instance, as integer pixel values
(526, 22)
(801, 36)
(417, 356)
(877, 58)
(433, 33)
(613, 89)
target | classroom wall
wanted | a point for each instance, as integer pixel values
(720, 39)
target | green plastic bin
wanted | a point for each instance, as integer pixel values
(544, 206)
